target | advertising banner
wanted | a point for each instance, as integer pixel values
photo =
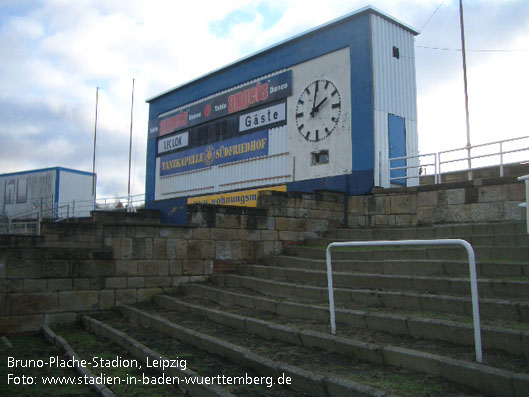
(260, 118)
(245, 198)
(173, 142)
(245, 97)
(240, 148)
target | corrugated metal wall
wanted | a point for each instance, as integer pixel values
(75, 190)
(40, 191)
(276, 168)
(395, 92)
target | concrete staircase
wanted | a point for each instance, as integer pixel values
(403, 317)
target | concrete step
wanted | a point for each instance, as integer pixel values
(456, 329)
(431, 232)
(512, 310)
(504, 240)
(406, 253)
(231, 315)
(102, 356)
(325, 361)
(151, 363)
(492, 288)
(418, 267)
(224, 356)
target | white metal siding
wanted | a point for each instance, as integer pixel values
(40, 193)
(395, 92)
(75, 187)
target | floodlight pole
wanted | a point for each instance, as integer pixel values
(463, 51)
(129, 205)
(94, 157)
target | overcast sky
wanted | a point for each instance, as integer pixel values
(53, 54)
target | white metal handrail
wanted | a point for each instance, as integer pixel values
(406, 167)
(472, 270)
(525, 205)
(439, 160)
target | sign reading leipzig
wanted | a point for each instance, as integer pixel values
(240, 148)
(245, 97)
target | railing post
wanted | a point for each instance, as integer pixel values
(501, 159)
(331, 291)
(439, 166)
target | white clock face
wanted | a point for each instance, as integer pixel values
(318, 110)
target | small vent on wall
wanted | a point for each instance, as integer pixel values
(396, 53)
(320, 157)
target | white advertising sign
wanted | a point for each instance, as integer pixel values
(262, 117)
(173, 142)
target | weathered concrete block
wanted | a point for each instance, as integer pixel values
(56, 268)
(160, 248)
(193, 249)
(219, 234)
(125, 296)
(35, 285)
(114, 282)
(32, 303)
(207, 249)
(24, 269)
(127, 268)
(95, 268)
(30, 323)
(157, 281)
(192, 268)
(223, 250)
(71, 301)
(147, 268)
(175, 267)
(59, 284)
(126, 248)
(80, 284)
(52, 319)
(202, 233)
(163, 267)
(135, 282)
(145, 294)
(106, 299)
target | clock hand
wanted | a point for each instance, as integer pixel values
(317, 108)
(314, 110)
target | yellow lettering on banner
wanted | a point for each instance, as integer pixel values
(246, 198)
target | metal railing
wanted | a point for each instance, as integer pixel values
(525, 205)
(440, 159)
(472, 270)
(29, 221)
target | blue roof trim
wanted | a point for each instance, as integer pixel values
(71, 170)
(368, 9)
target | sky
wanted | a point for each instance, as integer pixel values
(54, 53)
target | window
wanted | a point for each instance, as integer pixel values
(396, 53)
(9, 196)
(22, 190)
(321, 157)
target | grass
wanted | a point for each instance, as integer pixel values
(26, 347)
(88, 346)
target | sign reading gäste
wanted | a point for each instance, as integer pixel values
(241, 148)
(248, 96)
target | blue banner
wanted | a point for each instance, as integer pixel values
(240, 148)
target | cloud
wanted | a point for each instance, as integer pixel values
(53, 54)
